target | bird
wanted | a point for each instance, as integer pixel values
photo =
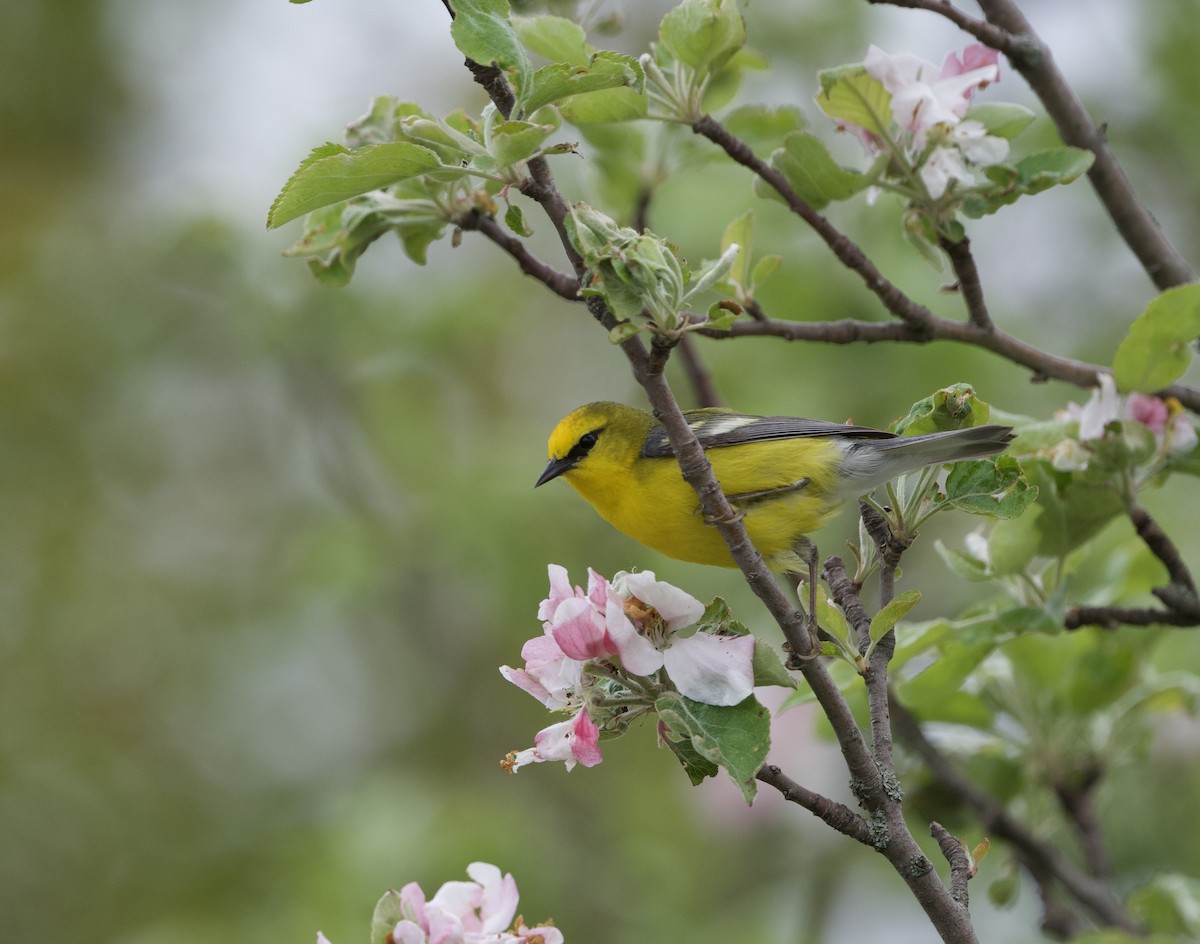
(785, 476)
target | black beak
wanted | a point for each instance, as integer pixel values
(556, 468)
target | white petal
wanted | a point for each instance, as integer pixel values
(714, 670)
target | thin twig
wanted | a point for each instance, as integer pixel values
(1179, 596)
(1044, 365)
(961, 869)
(847, 252)
(559, 283)
(969, 285)
(832, 813)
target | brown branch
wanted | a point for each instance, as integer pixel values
(1044, 365)
(832, 813)
(961, 868)
(1179, 597)
(559, 283)
(1039, 857)
(969, 285)
(847, 252)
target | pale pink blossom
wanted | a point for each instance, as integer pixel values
(575, 741)
(924, 96)
(715, 670)
(1173, 430)
(549, 675)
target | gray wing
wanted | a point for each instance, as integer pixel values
(716, 428)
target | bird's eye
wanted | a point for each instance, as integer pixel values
(587, 440)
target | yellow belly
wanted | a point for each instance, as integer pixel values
(652, 503)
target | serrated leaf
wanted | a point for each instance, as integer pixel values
(954, 407)
(697, 767)
(1158, 348)
(1061, 165)
(513, 141)
(831, 619)
(605, 70)
(1002, 119)
(769, 668)
(482, 31)
(883, 621)
(993, 487)
(849, 94)
(764, 128)
(554, 37)
(812, 171)
(332, 173)
(704, 34)
(514, 219)
(608, 105)
(736, 737)
(388, 913)
(623, 332)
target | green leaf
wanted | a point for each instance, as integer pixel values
(482, 31)
(703, 34)
(736, 738)
(954, 407)
(964, 565)
(513, 141)
(769, 668)
(831, 619)
(1002, 119)
(514, 219)
(1013, 542)
(812, 172)
(559, 80)
(993, 487)
(849, 94)
(932, 693)
(766, 267)
(764, 128)
(890, 615)
(608, 105)
(695, 765)
(388, 912)
(740, 230)
(623, 332)
(1158, 348)
(554, 37)
(332, 173)
(1061, 165)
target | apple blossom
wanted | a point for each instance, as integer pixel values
(573, 742)
(480, 911)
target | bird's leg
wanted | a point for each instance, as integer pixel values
(807, 551)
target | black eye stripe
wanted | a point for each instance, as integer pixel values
(585, 444)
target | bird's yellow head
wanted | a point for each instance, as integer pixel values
(593, 439)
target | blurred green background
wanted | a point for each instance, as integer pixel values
(263, 543)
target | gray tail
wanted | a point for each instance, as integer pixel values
(872, 462)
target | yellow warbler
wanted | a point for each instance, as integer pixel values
(785, 475)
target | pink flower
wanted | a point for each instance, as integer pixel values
(715, 670)
(1147, 410)
(549, 675)
(477, 912)
(923, 95)
(574, 741)
(576, 619)
(1172, 429)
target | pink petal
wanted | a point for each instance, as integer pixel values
(499, 904)
(586, 745)
(714, 670)
(560, 589)
(527, 683)
(579, 630)
(1147, 410)
(412, 904)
